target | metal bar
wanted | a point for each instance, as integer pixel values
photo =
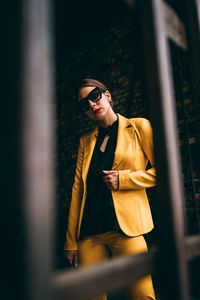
(175, 29)
(197, 3)
(115, 274)
(192, 244)
(38, 144)
(171, 260)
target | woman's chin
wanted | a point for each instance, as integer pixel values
(99, 115)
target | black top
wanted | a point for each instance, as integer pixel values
(99, 214)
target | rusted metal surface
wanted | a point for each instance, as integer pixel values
(172, 266)
(92, 281)
(38, 144)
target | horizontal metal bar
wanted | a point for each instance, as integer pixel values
(192, 245)
(92, 281)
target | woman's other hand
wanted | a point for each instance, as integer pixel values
(111, 179)
(72, 257)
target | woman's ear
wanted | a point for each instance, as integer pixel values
(108, 95)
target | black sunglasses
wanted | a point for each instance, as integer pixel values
(94, 96)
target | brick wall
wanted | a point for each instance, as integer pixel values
(188, 111)
(189, 136)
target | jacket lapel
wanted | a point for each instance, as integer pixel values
(124, 138)
(89, 143)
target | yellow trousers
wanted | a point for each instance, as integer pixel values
(94, 249)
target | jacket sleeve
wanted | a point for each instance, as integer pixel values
(141, 179)
(74, 211)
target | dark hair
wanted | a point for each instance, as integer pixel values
(91, 82)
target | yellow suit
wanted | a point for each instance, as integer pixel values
(134, 149)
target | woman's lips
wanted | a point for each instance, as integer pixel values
(97, 111)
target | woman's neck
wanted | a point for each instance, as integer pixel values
(109, 119)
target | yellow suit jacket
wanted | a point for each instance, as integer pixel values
(134, 149)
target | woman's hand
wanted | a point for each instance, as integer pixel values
(111, 179)
(72, 257)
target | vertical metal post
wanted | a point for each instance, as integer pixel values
(38, 144)
(172, 261)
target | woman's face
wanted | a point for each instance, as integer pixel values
(97, 110)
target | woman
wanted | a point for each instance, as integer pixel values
(109, 206)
